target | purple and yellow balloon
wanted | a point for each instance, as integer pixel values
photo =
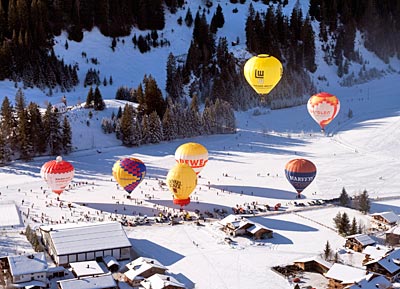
(129, 173)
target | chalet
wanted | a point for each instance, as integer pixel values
(374, 252)
(393, 236)
(105, 281)
(387, 218)
(68, 243)
(142, 268)
(59, 107)
(238, 226)
(358, 242)
(371, 281)
(111, 263)
(313, 264)
(389, 265)
(159, 281)
(341, 276)
(28, 270)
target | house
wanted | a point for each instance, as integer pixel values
(238, 226)
(86, 268)
(111, 263)
(340, 276)
(159, 281)
(313, 264)
(393, 236)
(68, 243)
(374, 252)
(142, 268)
(371, 281)
(105, 281)
(28, 270)
(388, 265)
(358, 242)
(59, 107)
(387, 218)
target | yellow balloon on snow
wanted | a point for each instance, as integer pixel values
(181, 181)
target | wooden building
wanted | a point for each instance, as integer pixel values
(393, 236)
(313, 264)
(388, 265)
(159, 281)
(358, 242)
(341, 276)
(387, 218)
(240, 226)
(142, 268)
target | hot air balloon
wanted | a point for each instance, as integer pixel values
(57, 174)
(323, 108)
(129, 172)
(300, 173)
(263, 72)
(193, 154)
(181, 181)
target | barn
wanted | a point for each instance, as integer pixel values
(68, 243)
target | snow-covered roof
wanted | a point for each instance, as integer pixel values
(363, 239)
(231, 219)
(256, 227)
(76, 238)
(97, 282)
(376, 251)
(344, 273)
(9, 215)
(110, 260)
(141, 265)
(158, 281)
(315, 259)
(27, 264)
(390, 217)
(394, 230)
(86, 268)
(371, 281)
(391, 262)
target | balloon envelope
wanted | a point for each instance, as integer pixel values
(263, 72)
(300, 173)
(181, 181)
(129, 173)
(323, 108)
(57, 174)
(193, 154)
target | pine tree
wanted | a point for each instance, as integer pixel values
(169, 125)
(188, 18)
(98, 102)
(344, 226)
(353, 227)
(36, 128)
(126, 125)
(145, 130)
(52, 130)
(8, 127)
(344, 198)
(155, 128)
(66, 136)
(153, 99)
(89, 99)
(337, 219)
(24, 141)
(364, 202)
(327, 251)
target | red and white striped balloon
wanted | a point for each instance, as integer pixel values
(57, 174)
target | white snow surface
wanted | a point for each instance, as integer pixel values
(358, 153)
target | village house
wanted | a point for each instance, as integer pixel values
(341, 276)
(239, 226)
(28, 270)
(159, 281)
(59, 107)
(371, 281)
(142, 268)
(392, 236)
(111, 263)
(386, 218)
(388, 265)
(105, 281)
(374, 252)
(68, 243)
(358, 242)
(86, 268)
(313, 264)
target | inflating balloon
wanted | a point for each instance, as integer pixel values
(129, 173)
(323, 108)
(263, 72)
(193, 154)
(57, 174)
(181, 181)
(300, 173)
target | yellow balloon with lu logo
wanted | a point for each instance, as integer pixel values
(181, 181)
(263, 72)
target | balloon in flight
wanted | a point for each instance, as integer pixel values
(181, 181)
(263, 72)
(323, 108)
(300, 173)
(193, 154)
(129, 173)
(57, 174)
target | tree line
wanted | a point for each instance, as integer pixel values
(26, 132)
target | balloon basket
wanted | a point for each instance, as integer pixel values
(182, 202)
